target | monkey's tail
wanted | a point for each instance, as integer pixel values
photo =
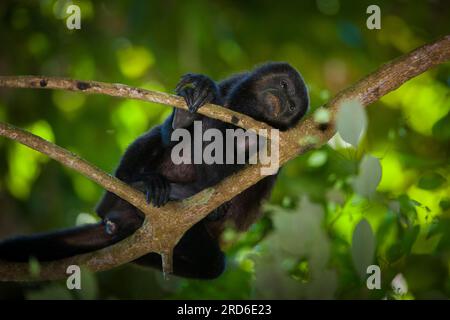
(56, 245)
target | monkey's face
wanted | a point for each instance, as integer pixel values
(281, 94)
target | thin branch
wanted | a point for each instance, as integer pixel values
(76, 163)
(165, 226)
(124, 91)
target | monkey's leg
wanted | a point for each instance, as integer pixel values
(197, 255)
(73, 241)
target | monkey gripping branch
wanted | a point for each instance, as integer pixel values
(159, 233)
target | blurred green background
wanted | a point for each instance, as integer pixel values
(325, 221)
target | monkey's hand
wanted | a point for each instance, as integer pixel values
(156, 187)
(220, 212)
(197, 90)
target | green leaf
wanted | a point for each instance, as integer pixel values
(441, 129)
(363, 247)
(404, 245)
(351, 122)
(395, 252)
(431, 181)
(89, 287)
(294, 263)
(369, 176)
(444, 204)
(410, 238)
(322, 116)
(317, 159)
(85, 218)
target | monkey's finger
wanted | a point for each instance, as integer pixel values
(199, 89)
(185, 80)
(190, 94)
(204, 85)
(148, 193)
(187, 94)
(207, 87)
(156, 189)
(198, 81)
(161, 192)
(167, 192)
(200, 101)
(163, 195)
(151, 188)
(148, 196)
(201, 94)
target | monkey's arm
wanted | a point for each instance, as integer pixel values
(138, 163)
(228, 84)
(197, 90)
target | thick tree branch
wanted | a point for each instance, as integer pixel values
(164, 227)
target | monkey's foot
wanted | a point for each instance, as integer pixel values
(157, 189)
(219, 213)
(197, 90)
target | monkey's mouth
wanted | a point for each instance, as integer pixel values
(273, 101)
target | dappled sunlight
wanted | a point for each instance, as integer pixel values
(25, 163)
(134, 61)
(423, 101)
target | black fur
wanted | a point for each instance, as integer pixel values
(274, 93)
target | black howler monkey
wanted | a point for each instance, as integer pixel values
(274, 93)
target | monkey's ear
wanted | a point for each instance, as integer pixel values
(183, 118)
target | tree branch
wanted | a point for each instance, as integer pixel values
(124, 91)
(163, 227)
(76, 163)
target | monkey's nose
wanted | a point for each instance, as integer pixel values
(273, 101)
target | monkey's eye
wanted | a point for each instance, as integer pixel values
(283, 84)
(291, 106)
